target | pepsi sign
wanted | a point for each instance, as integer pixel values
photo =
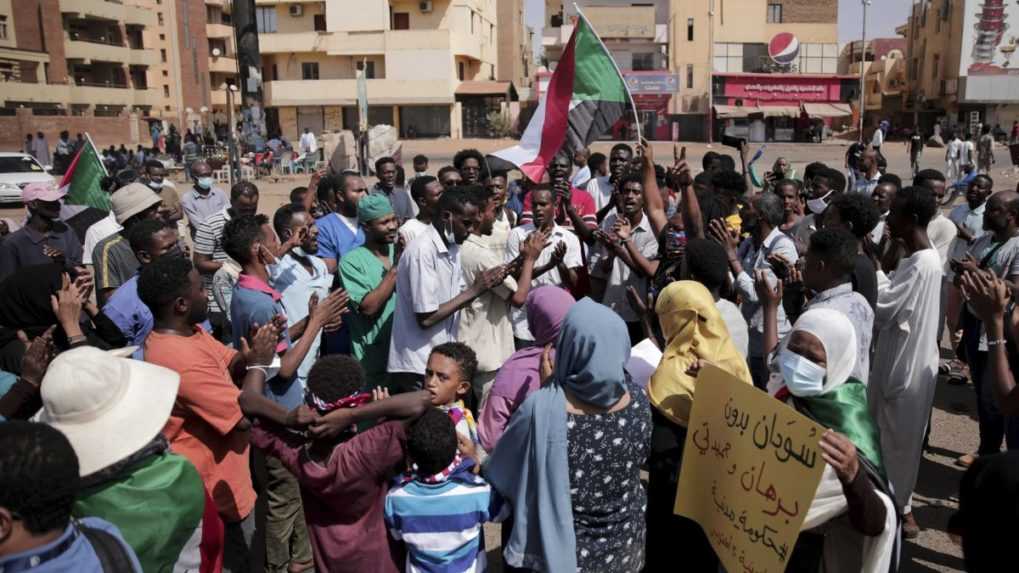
(784, 48)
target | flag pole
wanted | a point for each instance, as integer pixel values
(633, 105)
(88, 138)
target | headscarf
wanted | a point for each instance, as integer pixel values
(372, 207)
(694, 330)
(519, 375)
(529, 465)
(842, 406)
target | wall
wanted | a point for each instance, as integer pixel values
(288, 66)
(809, 11)
(28, 14)
(193, 52)
(422, 64)
(509, 66)
(105, 131)
(433, 20)
(286, 24)
(370, 15)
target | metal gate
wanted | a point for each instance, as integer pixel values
(475, 116)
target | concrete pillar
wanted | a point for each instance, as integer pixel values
(456, 120)
(396, 118)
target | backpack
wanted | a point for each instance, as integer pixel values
(113, 556)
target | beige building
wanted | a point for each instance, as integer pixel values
(884, 69)
(430, 65)
(108, 66)
(515, 61)
(726, 43)
(960, 66)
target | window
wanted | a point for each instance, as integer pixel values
(935, 67)
(265, 19)
(472, 22)
(401, 20)
(689, 29)
(3, 27)
(774, 13)
(309, 71)
(320, 22)
(644, 61)
(460, 71)
(166, 90)
(689, 76)
(369, 69)
(162, 55)
(275, 73)
(159, 17)
(728, 57)
(166, 74)
(162, 37)
(491, 34)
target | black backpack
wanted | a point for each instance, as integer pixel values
(113, 556)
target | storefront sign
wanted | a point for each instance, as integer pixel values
(622, 21)
(784, 48)
(751, 466)
(653, 83)
(778, 88)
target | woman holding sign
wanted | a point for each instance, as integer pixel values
(852, 513)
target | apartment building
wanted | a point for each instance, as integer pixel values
(772, 68)
(637, 36)
(108, 67)
(884, 70)
(960, 68)
(515, 57)
(430, 65)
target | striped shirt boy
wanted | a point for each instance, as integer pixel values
(209, 241)
(441, 522)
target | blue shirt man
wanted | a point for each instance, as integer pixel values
(72, 551)
(130, 314)
(254, 303)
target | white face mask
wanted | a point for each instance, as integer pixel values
(155, 185)
(803, 377)
(817, 206)
(205, 182)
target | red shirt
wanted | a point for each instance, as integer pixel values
(344, 496)
(581, 201)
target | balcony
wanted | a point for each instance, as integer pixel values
(219, 30)
(224, 5)
(101, 95)
(109, 10)
(295, 43)
(344, 92)
(223, 65)
(34, 93)
(96, 51)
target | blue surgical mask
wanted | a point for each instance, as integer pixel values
(205, 182)
(803, 377)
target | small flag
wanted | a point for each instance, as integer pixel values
(586, 96)
(82, 180)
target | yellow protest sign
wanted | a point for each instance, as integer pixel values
(751, 466)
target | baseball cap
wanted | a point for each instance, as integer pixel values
(41, 192)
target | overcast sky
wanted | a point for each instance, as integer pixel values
(883, 16)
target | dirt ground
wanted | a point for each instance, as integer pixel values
(954, 429)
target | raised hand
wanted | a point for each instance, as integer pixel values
(260, 348)
(987, 295)
(720, 233)
(622, 228)
(40, 351)
(558, 253)
(333, 306)
(490, 278)
(765, 293)
(301, 417)
(67, 303)
(534, 244)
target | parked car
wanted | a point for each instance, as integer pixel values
(18, 170)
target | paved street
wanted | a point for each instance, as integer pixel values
(954, 426)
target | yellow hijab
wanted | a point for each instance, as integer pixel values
(693, 330)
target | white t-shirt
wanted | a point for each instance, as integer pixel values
(411, 230)
(600, 190)
(429, 275)
(737, 325)
(349, 222)
(99, 230)
(941, 231)
(308, 143)
(572, 260)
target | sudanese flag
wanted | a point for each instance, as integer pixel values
(586, 96)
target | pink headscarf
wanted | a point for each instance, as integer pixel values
(520, 375)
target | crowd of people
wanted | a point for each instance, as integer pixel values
(362, 380)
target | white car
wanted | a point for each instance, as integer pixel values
(18, 170)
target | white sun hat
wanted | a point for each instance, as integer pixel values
(107, 405)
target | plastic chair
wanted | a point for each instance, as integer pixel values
(248, 173)
(298, 165)
(286, 164)
(222, 175)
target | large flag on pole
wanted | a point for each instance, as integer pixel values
(82, 180)
(586, 96)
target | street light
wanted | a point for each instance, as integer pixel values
(231, 145)
(863, 60)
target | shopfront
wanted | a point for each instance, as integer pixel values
(781, 107)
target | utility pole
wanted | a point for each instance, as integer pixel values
(863, 61)
(711, 72)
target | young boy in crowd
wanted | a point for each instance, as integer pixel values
(344, 474)
(451, 367)
(441, 488)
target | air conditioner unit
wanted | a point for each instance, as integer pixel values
(425, 6)
(296, 10)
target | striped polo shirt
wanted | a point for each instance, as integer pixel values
(441, 522)
(209, 242)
